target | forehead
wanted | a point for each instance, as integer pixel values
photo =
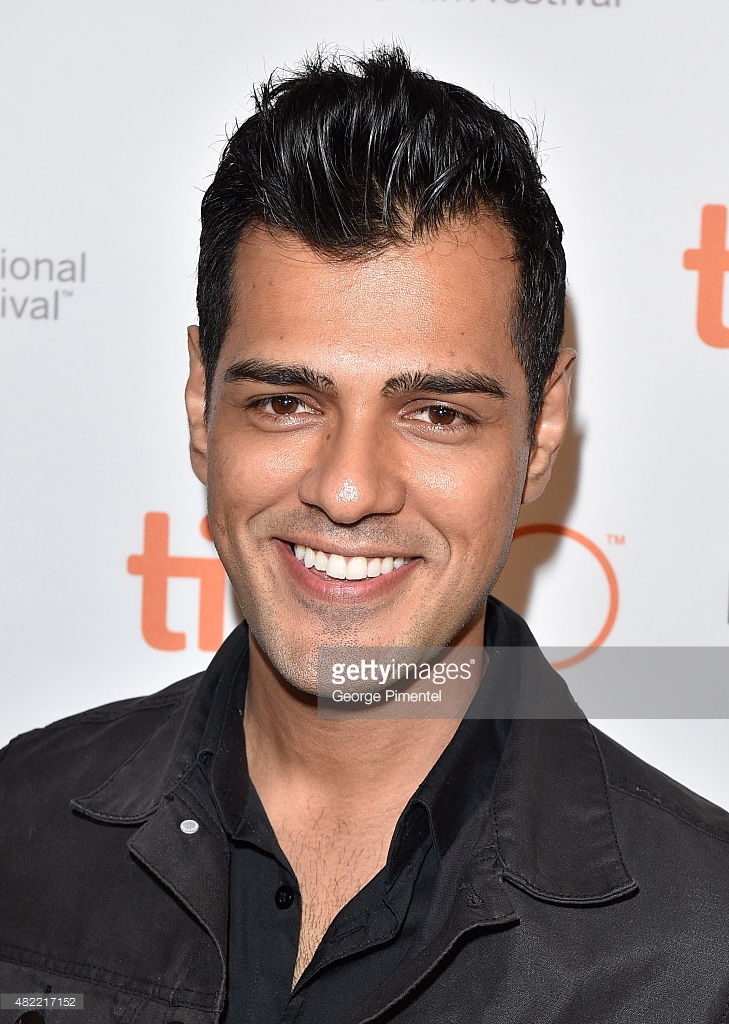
(451, 296)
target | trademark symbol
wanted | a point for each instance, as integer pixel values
(616, 538)
(473, 661)
(67, 293)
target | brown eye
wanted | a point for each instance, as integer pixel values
(442, 416)
(283, 405)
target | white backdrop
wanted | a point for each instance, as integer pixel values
(112, 117)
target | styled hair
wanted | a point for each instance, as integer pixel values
(355, 154)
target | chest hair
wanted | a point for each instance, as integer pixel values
(331, 865)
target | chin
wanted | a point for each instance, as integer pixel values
(295, 669)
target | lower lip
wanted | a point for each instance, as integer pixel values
(328, 589)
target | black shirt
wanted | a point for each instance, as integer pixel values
(373, 933)
(587, 887)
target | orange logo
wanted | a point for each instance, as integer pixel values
(156, 567)
(566, 531)
(711, 260)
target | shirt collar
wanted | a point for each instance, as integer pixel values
(457, 785)
(551, 812)
(550, 809)
(222, 748)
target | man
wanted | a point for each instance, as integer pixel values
(375, 388)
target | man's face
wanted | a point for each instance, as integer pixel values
(365, 413)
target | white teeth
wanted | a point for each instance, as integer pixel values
(336, 567)
(357, 568)
(339, 567)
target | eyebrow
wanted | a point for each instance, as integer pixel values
(443, 382)
(280, 375)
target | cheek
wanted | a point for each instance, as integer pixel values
(245, 473)
(475, 497)
(440, 483)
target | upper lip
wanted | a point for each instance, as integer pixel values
(332, 548)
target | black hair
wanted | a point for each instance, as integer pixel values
(354, 154)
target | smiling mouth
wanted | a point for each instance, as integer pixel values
(339, 567)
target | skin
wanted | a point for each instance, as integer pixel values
(364, 457)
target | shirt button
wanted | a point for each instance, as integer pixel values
(284, 897)
(189, 826)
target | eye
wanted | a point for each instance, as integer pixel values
(440, 416)
(283, 405)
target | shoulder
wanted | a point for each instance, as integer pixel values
(661, 825)
(77, 751)
(628, 775)
(131, 750)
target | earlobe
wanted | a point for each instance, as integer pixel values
(195, 403)
(551, 426)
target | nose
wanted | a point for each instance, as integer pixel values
(355, 473)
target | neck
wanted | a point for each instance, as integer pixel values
(352, 765)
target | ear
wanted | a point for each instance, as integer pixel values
(551, 426)
(195, 403)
